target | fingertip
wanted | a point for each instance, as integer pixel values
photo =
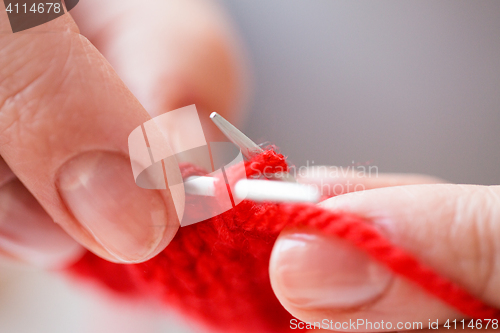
(437, 224)
(312, 271)
(318, 277)
(126, 223)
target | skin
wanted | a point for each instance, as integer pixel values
(76, 87)
(73, 89)
(454, 229)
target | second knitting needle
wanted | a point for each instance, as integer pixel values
(248, 147)
(257, 190)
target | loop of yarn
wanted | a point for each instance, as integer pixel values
(216, 271)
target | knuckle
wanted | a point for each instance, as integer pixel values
(491, 239)
(478, 213)
(30, 88)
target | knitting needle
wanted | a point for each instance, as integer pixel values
(257, 190)
(248, 147)
(206, 185)
(200, 186)
(263, 190)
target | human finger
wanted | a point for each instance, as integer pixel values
(454, 229)
(170, 53)
(64, 125)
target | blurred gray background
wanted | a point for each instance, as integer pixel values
(408, 86)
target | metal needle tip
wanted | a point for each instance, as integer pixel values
(247, 146)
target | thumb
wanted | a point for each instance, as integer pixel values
(65, 117)
(454, 229)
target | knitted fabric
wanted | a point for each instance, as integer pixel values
(216, 271)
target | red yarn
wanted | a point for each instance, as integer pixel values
(216, 271)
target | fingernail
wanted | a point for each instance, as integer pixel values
(29, 234)
(127, 221)
(317, 272)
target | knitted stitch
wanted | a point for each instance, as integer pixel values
(216, 271)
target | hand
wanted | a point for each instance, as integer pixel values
(66, 114)
(454, 229)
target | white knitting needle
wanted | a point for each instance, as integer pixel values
(257, 190)
(200, 185)
(248, 147)
(264, 190)
(254, 189)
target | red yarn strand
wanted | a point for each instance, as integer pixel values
(216, 271)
